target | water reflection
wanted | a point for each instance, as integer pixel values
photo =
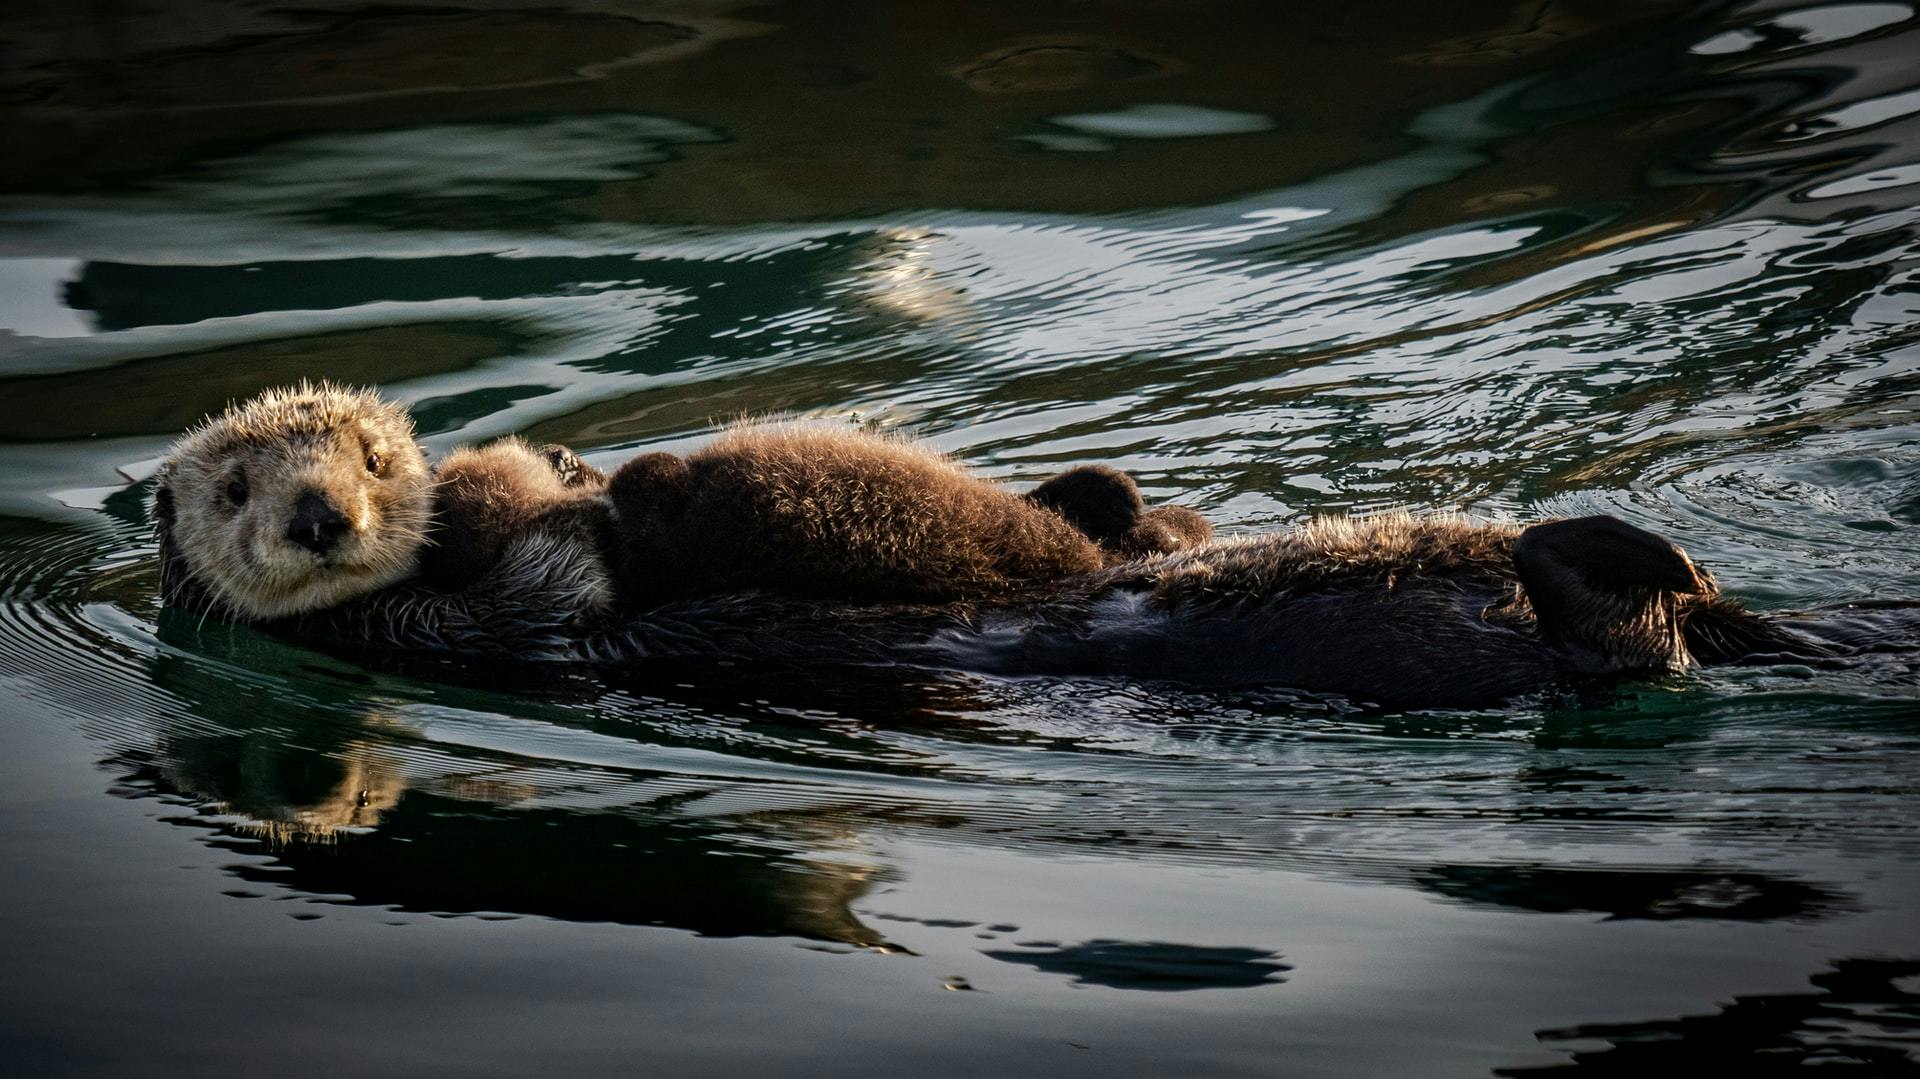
(622, 810)
(1803, 27)
(1120, 964)
(817, 121)
(347, 810)
(1630, 893)
(1863, 1018)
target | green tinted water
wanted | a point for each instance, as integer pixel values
(1550, 259)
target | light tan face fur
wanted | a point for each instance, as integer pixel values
(246, 487)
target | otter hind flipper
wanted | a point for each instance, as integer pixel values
(1602, 584)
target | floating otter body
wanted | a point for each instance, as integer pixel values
(304, 499)
(1395, 609)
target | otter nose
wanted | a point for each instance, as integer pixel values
(316, 524)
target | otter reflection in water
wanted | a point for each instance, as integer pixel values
(348, 806)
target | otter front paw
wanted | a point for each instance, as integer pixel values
(1163, 530)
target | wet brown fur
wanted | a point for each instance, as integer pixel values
(488, 496)
(805, 510)
(1610, 596)
(1382, 552)
(813, 511)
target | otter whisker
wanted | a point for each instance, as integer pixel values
(202, 624)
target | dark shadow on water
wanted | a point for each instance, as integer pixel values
(1862, 1019)
(1658, 895)
(127, 295)
(1155, 966)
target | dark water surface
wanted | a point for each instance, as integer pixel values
(1655, 260)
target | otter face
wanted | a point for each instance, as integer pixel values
(297, 500)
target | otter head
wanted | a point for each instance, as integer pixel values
(294, 501)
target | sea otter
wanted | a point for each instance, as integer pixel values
(301, 499)
(255, 510)
(1393, 609)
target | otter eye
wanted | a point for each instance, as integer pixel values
(373, 463)
(237, 492)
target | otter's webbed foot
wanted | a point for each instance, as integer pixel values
(1600, 582)
(567, 465)
(1105, 505)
